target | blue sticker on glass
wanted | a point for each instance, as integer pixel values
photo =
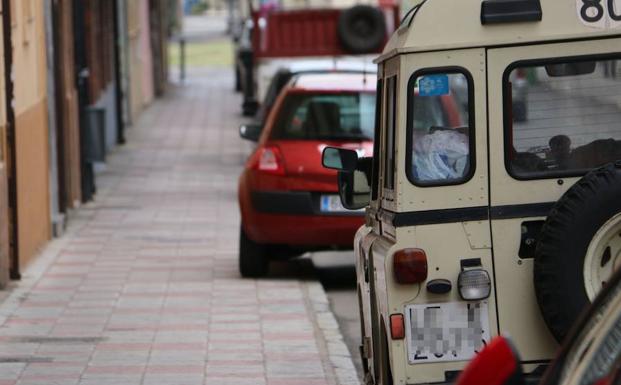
(433, 85)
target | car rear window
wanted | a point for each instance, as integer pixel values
(562, 116)
(440, 127)
(326, 116)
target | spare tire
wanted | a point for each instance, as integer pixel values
(362, 29)
(579, 248)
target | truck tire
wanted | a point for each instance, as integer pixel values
(362, 29)
(253, 259)
(579, 248)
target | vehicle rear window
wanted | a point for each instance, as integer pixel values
(562, 117)
(440, 127)
(326, 116)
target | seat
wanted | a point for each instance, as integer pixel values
(322, 118)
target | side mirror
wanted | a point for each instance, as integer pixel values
(339, 159)
(497, 364)
(354, 189)
(354, 176)
(250, 131)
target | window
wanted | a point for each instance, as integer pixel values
(440, 127)
(326, 116)
(562, 117)
(376, 142)
(389, 133)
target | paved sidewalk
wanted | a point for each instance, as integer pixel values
(144, 288)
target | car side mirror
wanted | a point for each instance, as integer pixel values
(354, 189)
(250, 131)
(497, 364)
(339, 159)
(354, 176)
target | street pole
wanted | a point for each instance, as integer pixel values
(182, 58)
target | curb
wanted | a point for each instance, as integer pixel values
(338, 354)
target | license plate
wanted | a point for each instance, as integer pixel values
(332, 204)
(453, 331)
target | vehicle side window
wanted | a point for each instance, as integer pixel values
(389, 133)
(376, 142)
(440, 127)
(562, 116)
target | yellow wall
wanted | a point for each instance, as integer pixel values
(29, 64)
(4, 209)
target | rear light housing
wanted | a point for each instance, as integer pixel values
(270, 160)
(397, 327)
(474, 284)
(410, 266)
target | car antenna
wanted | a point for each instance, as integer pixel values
(412, 13)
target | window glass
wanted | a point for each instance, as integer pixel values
(376, 140)
(440, 128)
(327, 116)
(389, 133)
(563, 118)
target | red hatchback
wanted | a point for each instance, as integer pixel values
(289, 202)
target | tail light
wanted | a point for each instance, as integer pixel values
(270, 160)
(410, 266)
(397, 327)
(474, 285)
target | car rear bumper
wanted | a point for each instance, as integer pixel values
(293, 203)
(295, 218)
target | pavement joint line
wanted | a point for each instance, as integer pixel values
(331, 339)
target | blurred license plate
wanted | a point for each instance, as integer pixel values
(332, 204)
(453, 331)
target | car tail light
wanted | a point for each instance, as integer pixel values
(410, 266)
(397, 327)
(271, 160)
(474, 284)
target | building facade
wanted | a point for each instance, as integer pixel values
(75, 74)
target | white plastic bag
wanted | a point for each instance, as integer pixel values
(441, 155)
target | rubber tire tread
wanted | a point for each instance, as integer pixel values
(349, 38)
(253, 260)
(563, 243)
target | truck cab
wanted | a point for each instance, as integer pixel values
(493, 205)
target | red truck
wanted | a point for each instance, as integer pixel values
(275, 39)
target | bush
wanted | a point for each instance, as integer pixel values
(200, 7)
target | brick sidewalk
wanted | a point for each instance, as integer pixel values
(144, 288)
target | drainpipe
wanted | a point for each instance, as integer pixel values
(118, 77)
(10, 137)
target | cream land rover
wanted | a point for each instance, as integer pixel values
(480, 221)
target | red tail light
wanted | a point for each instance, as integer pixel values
(410, 266)
(271, 160)
(397, 327)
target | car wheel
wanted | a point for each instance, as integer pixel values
(579, 248)
(253, 260)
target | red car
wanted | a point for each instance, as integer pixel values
(589, 355)
(289, 202)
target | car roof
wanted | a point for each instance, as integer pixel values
(450, 24)
(334, 81)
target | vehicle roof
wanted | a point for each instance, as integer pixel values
(334, 81)
(340, 63)
(450, 24)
